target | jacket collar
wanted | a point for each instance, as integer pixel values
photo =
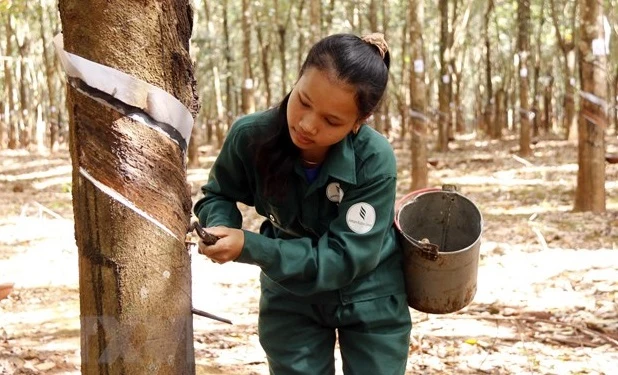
(339, 164)
(341, 161)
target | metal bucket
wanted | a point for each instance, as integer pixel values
(440, 231)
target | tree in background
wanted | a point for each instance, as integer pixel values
(612, 64)
(523, 53)
(444, 82)
(564, 37)
(50, 75)
(590, 192)
(10, 112)
(130, 199)
(536, 74)
(418, 99)
(248, 79)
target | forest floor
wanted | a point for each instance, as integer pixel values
(547, 300)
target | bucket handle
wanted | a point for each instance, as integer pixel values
(428, 250)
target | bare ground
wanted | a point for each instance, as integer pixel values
(547, 300)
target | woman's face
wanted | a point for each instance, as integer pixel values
(321, 112)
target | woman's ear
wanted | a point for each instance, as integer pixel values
(360, 123)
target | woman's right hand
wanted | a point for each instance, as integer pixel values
(227, 248)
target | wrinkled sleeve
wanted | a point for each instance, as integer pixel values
(340, 256)
(228, 183)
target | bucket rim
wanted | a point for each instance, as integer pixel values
(406, 200)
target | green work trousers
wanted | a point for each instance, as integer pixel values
(299, 337)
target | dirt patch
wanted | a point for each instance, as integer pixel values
(547, 285)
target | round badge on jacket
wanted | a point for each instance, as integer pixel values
(334, 193)
(361, 217)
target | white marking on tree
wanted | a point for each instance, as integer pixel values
(123, 200)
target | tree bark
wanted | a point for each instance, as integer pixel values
(282, 28)
(418, 99)
(567, 49)
(614, 102)
(500, 113)
(130, 197)
(248, 83)
(536, 109)
(219, 123)
(50, 73)
(328, 19)
(444, 84)
(352, 14)
(590, 191)
(229, 80)
(301, 50)
(548, 117)
(511, 100)
(265, 62)
(523, 50)
(537, 124)
(25, 85)
(385, 104)
(488, 125)
(315, 21)
(402, 87)
(378, 113)
(9, 111)
(3, 107)
(570, 120)
(216, 84)
(457, 113)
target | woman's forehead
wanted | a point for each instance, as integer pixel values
(328, 91)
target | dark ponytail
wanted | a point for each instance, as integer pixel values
(275, 154)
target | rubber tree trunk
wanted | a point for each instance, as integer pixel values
(418, 98)
(248, 85)
(10, 112)
(130, 198)
(50, 73)
(444, 84)
(523, 49)
(592, 119)
(489, 126)
(547, 106)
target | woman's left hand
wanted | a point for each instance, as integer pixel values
(227, 248)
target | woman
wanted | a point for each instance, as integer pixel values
(331, 265)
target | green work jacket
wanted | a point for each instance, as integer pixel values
(329, 241)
